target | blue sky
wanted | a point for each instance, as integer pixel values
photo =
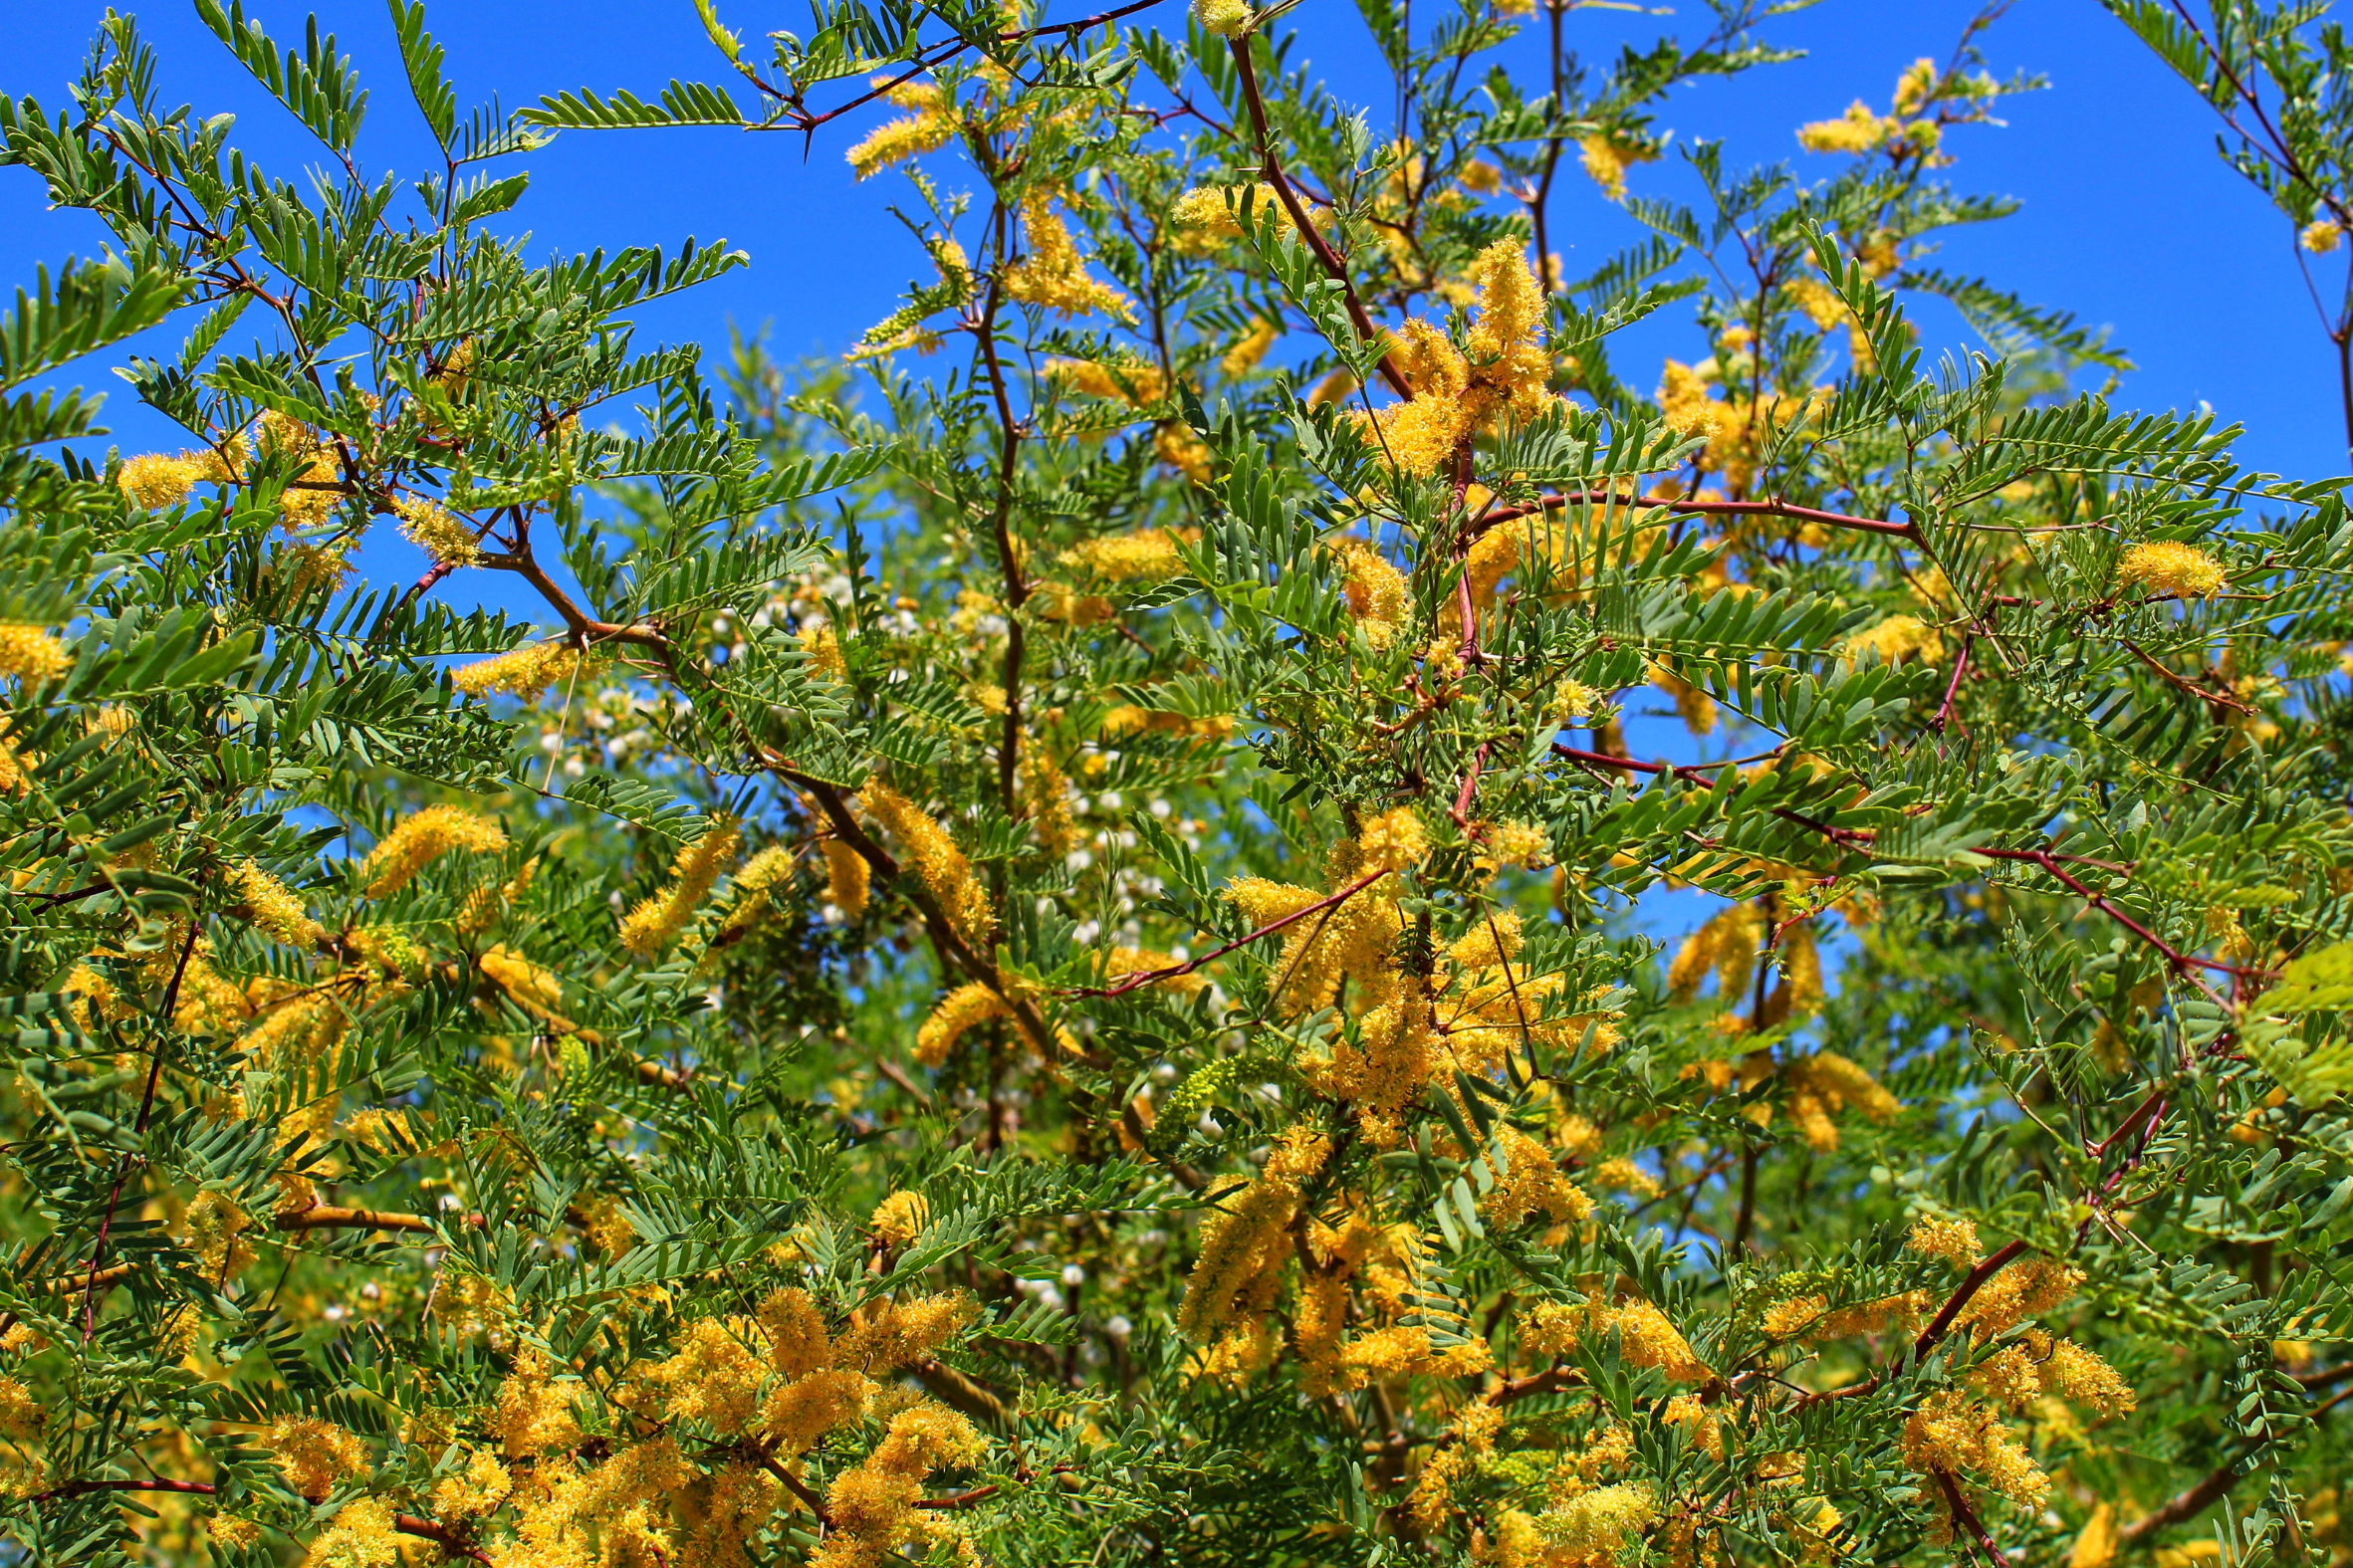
(2129, 219)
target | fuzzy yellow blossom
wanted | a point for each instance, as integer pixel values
(824, 646)
(424, 837)
(872, 1504)
(1052, 276)
(1225, 18)
(315, 486)
(1505, 370)
(1532, 1181)
(523, 980)
(930, 127)
(1857, 131)
(153, 480)
(2321, 236)
(1646, 1337)
(900, 1217)
(1953, 1434)
(1245, 1245)
(1593, 1527)
(1377, 594)
(273, 907)
(476, 1491)
(214, 1227)
(1825, 1083)
(315, 1453)
(1790, 1318)
(1145, 555)
(1692, 703)
(847, 875)
(30, 655)
(2083, 1377)
(932, 854)
(1251, 347)
(525, 671)
(534, 1409)
(1337, 388)
(436, 530)
(362, 1535)
(1953, 1238)
(1119, 380)
(1177, 447)
(659, 918)
(961, 1010)
(1209, 216)
(2168, 566)
(1726, 944)
(2095, 1544)
(1621, 1175)
(1606, 161)
(1896, 638)
(231, 1533)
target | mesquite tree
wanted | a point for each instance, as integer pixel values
(1052, 953)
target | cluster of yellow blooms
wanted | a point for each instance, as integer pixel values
(1453, 396)
(1054, 275)
(1145, 555)
(422, 839)
(932, 854)
(931, 127)
(527, 671)
(2169, 568)
(438, 532)
(659, 918)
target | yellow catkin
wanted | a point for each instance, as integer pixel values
(1894, 639)
(1120, 380)
(2321, 236)
(1606, 161)
(525, 671)
(1052, 276)
(273, 907)
(421, 839)
(1145, 555)
(900, 1217)
(1250, 348)
(315, 1453)
(1246, 1245)
(1506, 368)
(1208, 218)
(153, 480)
(364, 1534)
(440, 532)
(1857, 131)
(30, 655)
(2168, 566)
(1225, 18)
(1952, 1237)
(1955, 1435)
(2095, 1544)
(1378, 595)
(657, 920)
(932, 854)
(846, 880)
(930, 127)
(961, 1010)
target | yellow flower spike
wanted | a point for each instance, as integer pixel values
(932, 854)
(2321, 236)
(1250, 348)
(1145, 555)
(847, 875)
(1607, 160)
(1857, 131)
(694, 871)
(1130, 381)
(900, 1217)
(421, 839)
(440, 534)
(2170, 568)
(1377, 593)
(1245, 1246)
(1054, 275)
(314, 1454)
(1952, 1237)
(527, 671)
(2095, 1544)
(154, 480)
(273, 907)
(30, 655)
(1225, 18)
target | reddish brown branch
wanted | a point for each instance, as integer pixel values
(1315, 242)
(1971, 1284)
(1964, 1518)
(1769, 505)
